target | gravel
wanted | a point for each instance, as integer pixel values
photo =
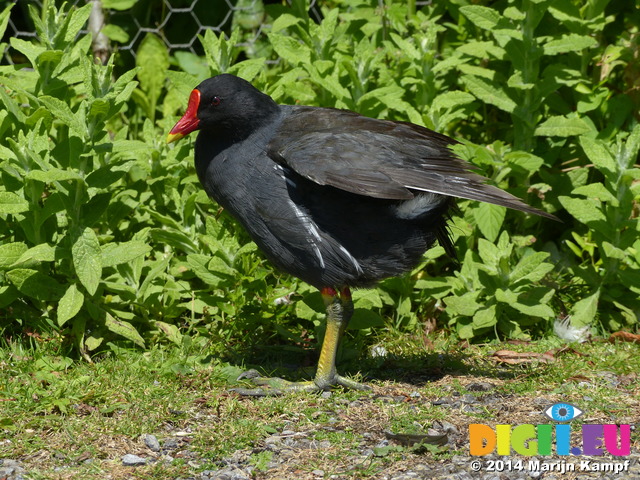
(289, 445)
(296, 452)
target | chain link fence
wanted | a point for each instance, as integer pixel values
(122, 24)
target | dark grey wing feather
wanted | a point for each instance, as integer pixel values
(379, 158)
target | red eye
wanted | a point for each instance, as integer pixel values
(216, 101)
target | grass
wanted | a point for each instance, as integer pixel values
(66, 419)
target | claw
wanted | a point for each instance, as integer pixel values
(274, 386)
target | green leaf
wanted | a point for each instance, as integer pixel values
(364, 318)
(631, 148)
(367, 299)
(489, 218)
(53, 175)
(536, 310)
(77, 19)
(157, 269)
(35, 284)
(449, 100)
(406, 46)
(35, 255)
(220, 267)
(174, 238)
(10, 252)
(612, 251)
(290, 49)
(569, 43)
(284, 21)
(483, 17)
(171, 331)
(248, 69)
(118, 4)
(597, 191)
(124, 329)
(465, 305)
(12, 203)
(220, 52)
(87, 259)
(99, 108)
(508, 297)
(199, 264)
(464, 327)
(559, 126)
(5, 153)
(70, 304)
(489, 92)
(524, 160)
(113, 254)
(485, 317)
(115, 33)
(482, 49)
(531, 267)
(28, 49)
(8, 295)
(584, 311)
(4, 19)
(153, 61)
(93, 342)
(585, 210)
(600, 156)
(62, 112)
(489, 253)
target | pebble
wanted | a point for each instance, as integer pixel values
(11, 469)
(231, 473)
(151, 441)
(131, 460)
(479, 387)
(468, 398)
(170, 444)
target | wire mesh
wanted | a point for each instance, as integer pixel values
(177, 22)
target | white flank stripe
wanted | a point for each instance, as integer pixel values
(352, 259)
(315, 238)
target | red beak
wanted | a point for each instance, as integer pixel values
(189, 121)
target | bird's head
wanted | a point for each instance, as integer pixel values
(224, 106)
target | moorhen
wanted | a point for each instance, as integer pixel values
(335, 198)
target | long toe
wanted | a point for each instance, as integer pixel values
(351, 384)
(274, 386)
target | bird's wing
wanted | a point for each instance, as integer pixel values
(379, 158)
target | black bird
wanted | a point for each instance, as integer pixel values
(335, 198)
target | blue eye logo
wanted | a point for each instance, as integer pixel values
(563, 412)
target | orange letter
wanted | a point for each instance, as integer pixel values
(482, 439)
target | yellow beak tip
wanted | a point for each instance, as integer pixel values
(173, 137)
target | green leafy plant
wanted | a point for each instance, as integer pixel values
(59, 165)
(106, 235)
(607, 246)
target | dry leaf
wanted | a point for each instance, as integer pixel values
(514, 358)
(624, 337)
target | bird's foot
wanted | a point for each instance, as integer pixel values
(274, 386)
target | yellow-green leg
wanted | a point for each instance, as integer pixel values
(339, 312)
